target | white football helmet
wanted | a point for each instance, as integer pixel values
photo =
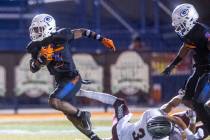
(184, 18)
(42, 26)
(159, 127)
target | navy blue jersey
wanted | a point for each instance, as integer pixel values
(62, 66)
(197, 40)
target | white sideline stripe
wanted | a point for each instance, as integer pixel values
(90, 109)
(47, 120)
(30, 120)
(49, 132)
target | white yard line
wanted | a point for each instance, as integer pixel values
(91, 109)
(49, 132)
(28, 120)
(15, 120)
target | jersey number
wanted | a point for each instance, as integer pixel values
(138, 135)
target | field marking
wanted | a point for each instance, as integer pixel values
(3, 121)
(50, 132)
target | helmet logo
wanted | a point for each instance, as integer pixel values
(47, 19)
(184, 12)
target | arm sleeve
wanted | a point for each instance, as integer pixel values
(91, 34)
(183, 51)
(176, 61)
(33, 49)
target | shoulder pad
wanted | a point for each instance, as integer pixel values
(63, 34)
(64, 30)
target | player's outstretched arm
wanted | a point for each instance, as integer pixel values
(181, 124)
(173, 103)
(79, 33)
(189, 134)
(184, 50)
(178, 121)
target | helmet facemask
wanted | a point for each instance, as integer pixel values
(36, 33)
(159, 127)
(182, 29)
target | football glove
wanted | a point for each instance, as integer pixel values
(197, 136)
(108, 43)
(42, 60)
(47, 52)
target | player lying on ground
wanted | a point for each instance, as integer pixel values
(196, 39)
(50, 47)
(199, 108)
(154, 124)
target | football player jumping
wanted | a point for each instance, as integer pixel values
(50, 47)
(154, 123)
(196, 39)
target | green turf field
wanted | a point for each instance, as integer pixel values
(49, 129)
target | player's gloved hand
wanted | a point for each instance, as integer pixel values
(192, 116)
(168, 70)
(181, 93)
(108, 43)
(200, 134)
(197, 136)
(42, 60)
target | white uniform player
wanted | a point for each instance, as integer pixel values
(153, 125)
(138, 130)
